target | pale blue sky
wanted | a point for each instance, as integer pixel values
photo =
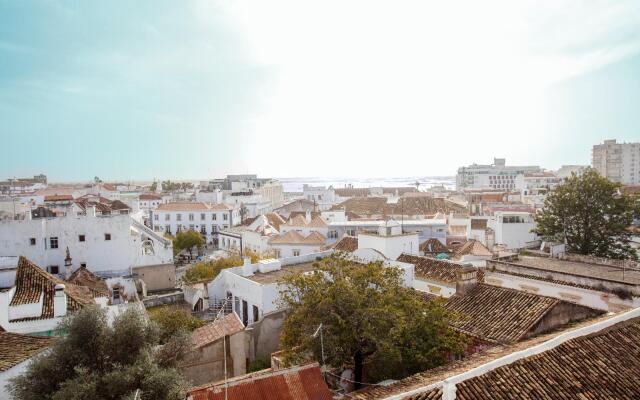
(197, 88)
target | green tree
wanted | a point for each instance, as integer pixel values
(187, 240)
(97, 361)
(172, 319)
(154, 186)
(366, 316)
(207, 271)
(589, 214)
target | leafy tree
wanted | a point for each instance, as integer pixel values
(590, 215)
(171, 320)
(187, 240)
(243, 212)
(210, 269)
(98, 361)
(154, 186)
(366, 316)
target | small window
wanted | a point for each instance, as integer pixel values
(256, 314)
(107, 236)
(53, 269)
(296, 253)
(179, 217)
(190, 217)
(167, 217)
(225, 217)
(213, 216)
(32, 241)
(53, 242)
(202, 217)
(116, 293)
(156, 217)
(81, 238)
(83, 265)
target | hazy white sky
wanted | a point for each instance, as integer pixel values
(298, 88)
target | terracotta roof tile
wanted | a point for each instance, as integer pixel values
(604, 365)
(32, 282)
(228, 325)
(83, 277)
(346, 243)
(497, 314)
(149, 196)
(431, 268)
(407, 205)
(473, 247)
(295, 237)
(295, 383)
(434, 246)
(16, 348)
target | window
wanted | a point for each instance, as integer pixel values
(81, 238)
(32, 241)
(225, 217)
(276, 253)
(256, 313)
(156, 217)
(203, 229)
(202, 217)
(83, 265)
(213, 216)
(167, 229)
(190, 217)
(296, 253)
(53, 242)
(333, 234)
(214, 228)
(116, 293)
(167, 217)
(107, 236)
(53, 269)
(178, 217)
(191, 227)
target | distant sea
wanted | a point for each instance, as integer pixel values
(295, 184)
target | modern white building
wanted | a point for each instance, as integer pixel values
(390, 241)
(109, 244)
(495, 176)
(619, 162)
(206, 218)
(238, 189)
(425, 228)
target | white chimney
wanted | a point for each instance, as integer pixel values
(247, 268)
(59, 301)
(91, 211)
(307, 216)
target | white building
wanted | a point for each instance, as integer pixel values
(565, 171)
(238, 189)
(495, 176)
(206, 218)
(619, 162)
(108, 244)
(513, 229)
(294, 243)
(151, 201)
(390, 241)
(254, 237)
(322, 196)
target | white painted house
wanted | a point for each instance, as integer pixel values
(514, 229)
(110, 244)
(206, 218)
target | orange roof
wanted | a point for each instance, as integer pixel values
(149, 196)
(228, 325)
(473, 247)
(300, 383)
(58, 197)
(193, 206)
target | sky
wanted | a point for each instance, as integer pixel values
(199, 89)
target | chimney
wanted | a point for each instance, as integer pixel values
(467, 279)
(67, 265)
(307, 216)
(59, 301)
(247, 268)
(91, 211)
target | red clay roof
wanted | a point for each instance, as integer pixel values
(346, 243)
(228, 325)
(431, 268)
(296, 383)
(16, 348)
(192, 206)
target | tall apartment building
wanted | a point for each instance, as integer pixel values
(619, 162)
(495, 176)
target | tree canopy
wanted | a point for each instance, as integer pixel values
(367, 316)
(187, 240)
(172, 319)
(208, 270)
(98, 361)
(591, 215)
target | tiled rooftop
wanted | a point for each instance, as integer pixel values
(364, 206)
(433, 245)
(431, 268)
(497, 314)
(192, 206)
(227, 325)
(16, 348)
(83, 277)
(474, 248)
(346, 243)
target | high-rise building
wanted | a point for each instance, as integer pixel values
(495, 176)
(619, 162)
